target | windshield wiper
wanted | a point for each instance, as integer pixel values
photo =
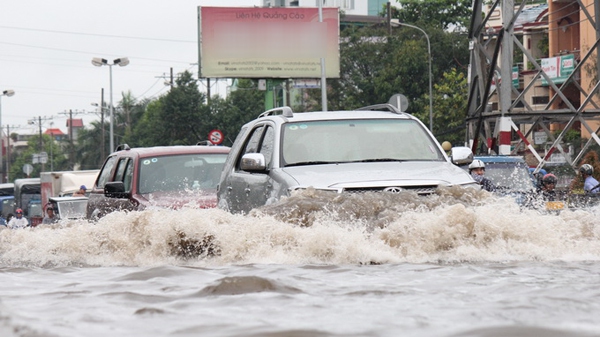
(306, 163)
(377, 160)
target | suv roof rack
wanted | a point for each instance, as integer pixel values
(384, 107)
(122, 147)
(285, 111)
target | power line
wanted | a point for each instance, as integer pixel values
(99, 35)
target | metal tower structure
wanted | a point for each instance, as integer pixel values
(508, 105)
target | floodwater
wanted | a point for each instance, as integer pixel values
(454, 264)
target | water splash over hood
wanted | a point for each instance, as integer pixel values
(314, 227)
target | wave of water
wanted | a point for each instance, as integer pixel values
(314, 227)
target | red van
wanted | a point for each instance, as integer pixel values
(166, 176)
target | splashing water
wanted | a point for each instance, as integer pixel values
(313, 227)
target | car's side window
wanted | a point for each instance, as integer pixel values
(267, 145)
(121, 169)
(128, 176)
(104, 175)
(254, 140)
(252, 144)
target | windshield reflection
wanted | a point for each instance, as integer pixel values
(180, 172)
(344, 141)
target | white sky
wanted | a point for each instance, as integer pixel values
(46, 47)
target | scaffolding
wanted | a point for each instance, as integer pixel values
(508, 128)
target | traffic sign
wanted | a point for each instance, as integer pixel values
(215, 137)
(27, 169)
(399, 101)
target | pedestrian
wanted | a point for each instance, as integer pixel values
(477, 171)
(50, 216)
(590, 184)
(18, 221)
(80, 192)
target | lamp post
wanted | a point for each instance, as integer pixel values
(4, 93)
(99, 62)
(396, 23)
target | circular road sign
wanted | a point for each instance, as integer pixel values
(27, 169)
(399, 101)
(215, 137)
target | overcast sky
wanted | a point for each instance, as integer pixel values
(46, 48)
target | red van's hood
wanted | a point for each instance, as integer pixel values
(178, 199)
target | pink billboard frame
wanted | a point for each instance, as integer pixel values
(248, 42)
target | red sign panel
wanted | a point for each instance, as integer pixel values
(215, 137)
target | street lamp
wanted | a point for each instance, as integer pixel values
(99, 62)
(396, 23)
(4, 93)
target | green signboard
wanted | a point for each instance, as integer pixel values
(558, 68)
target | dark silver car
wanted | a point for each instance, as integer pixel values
(376, 148)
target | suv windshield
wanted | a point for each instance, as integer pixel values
(180, 172)
(342, 141)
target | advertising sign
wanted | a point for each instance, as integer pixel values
(268, 42)
(558, 68)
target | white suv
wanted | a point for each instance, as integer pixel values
(375, 148)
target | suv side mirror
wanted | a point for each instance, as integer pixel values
(461, 155)
(115, 189)
(253, 162)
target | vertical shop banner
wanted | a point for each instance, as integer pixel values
(268, 42)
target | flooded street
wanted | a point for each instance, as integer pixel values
(454, 264)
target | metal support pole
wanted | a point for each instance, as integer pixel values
(112, 115)
(103, 156)
(3, 93)
(323, 72)
(8, 153)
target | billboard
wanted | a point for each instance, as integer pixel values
(558, 68)
(268, 42)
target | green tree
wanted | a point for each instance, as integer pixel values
(90, 154)
(443, 14)
(241, 106)
(450, 107)
(183, 115)
(149, 128)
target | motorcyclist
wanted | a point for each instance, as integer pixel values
(477, 171)
(590, 184)
(547, 187)
(18, 221)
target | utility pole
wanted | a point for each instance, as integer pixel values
(40, 154)
(102, 123)
(102, 107)
(8, 152)
(71, 136)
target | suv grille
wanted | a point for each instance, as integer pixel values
(422, 190)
